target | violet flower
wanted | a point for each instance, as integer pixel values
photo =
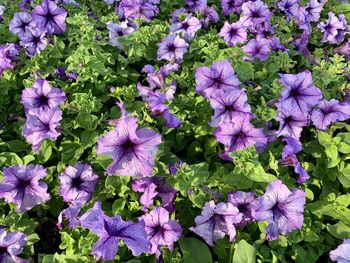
(220, 75)
(196, 5)
(187, 28)
(112, 229)
(133, 149)
(254, 13)
(11, 245)
(19, 23)
(137, 9)
(209, 16)
(313, 9)
(172, 48)
(342, 253)
(344, 50)
(231, 6)
(291, 124)
(22, 186)
(282, 208)
(50, 17)
(33, 40)
(233, 33)
(334, 29)
(9, 53)
(2, 10)
(257, 48)
(26, 5)
(216, 221)
(116, 31)
(289, 7)
(161, 231)
(71, 213)
(246, 204)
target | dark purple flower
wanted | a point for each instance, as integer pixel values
(187, 28)
(112, 229)
(137, 9)
(282, 208)
(342, 253)
(254, 13)
(196, 5)
(231, 6)
(161, 231)
(33, 40)
(328, 112)
(334, 29)
(116, 31)
(42, 95)
(313, 9)
(133, 149)
(291, 124)
(78, 183)
(210, 16)
(233, 33)
(344, 50)
(257, 48)
(19, 23)
(71, 213)
(239, 135)
(41, 124)
(172, 48)
(11, 245)
(289, 7)
(22, 187)
(246, 204)
(300, 93)
(220, 75)
(216, 221)
(303, 20)
(229, 106)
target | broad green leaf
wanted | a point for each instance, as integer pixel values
(194, 251)
(244, 253)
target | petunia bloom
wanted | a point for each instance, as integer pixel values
(196, 5)
(233, 33)
(342, 253)
(11, 245)
(187, 28)
(137, 9)
(313, 10)
(9, 53)
(77, 183)
(257, 48)
(282, 208)
(42, 95)
(216, 221)
(254, 13)
(246, 204)
(112, 229)
(334, 29)
(2, 10)
(161, 231)
(22, 186)
(33, 40)
(50, 17)
(19, 23)
(133, 149)
(291, 124)
(210, 15)
(116, 31)
(71, 213)
(231, 6)
(289, 7)
(172, 48)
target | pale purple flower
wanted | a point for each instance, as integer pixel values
(11, 245)
(172, 48)
(178, 13)
(186, 28)
(50, 17)
(233, 33)
(196, 5)
(33, 40)
(282, 209)
(344, 50)
(112, 229)
(342, 253)
(137, 9)
(313, 9)
(216, 221)
(71, 213)
(22, 186)
(254, 13)
(41, 124)
(257, 48)
(9, 53)
(334, 29)
(220, 75)
(116, 31)
(328, 112)
(231, 6)
(19, 23)
(246, 203)
(2, 10)
(42, 95)
(210, 16)
(300, 94)
(77, 183)
(133, 149)
(291, 123)
(303, 20)
(26, 5)
(289, 7)
(161, 231)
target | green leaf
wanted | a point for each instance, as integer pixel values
(332, 155)
(344, 176)
(339, 230)
(70, 152)
(87, 121)
(16, 146)
(324, 138)
(89, 138)
(194, 251)
(244, 253)
(244, 70)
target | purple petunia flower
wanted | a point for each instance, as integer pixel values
(137, 9)
(187, 28)
(11, 245)
(209, 16)
(257, 48)
(178, 14)
(334, 29)
(9, 53)
(19, 23)
(344, 50)
(254, 13)
(22, 187)
(133, 149)
(220, 75)
(291, 124)
(2, 10)
(289, 7)
(342, 253)
(41, 124)
(25, 5)
(196, 5)
(313, 10)
(112, 229)
(239, 135)
(246, 204)
(117, 31)
(216, 221)
(71, 213)
(61, 73)
(229, 106)
(300, 93)
(233, 33)
(42, 95)
(282, 208)
(172, 48)
(78, 183)
(328, 112)
(231, 6)
(161, 231)
(33, 40)
(50, 17)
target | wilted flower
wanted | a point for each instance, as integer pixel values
(117, 31)
(233, 33)
(334, 29)
(344, 50)
(22, 187)
(342, 253)
(11, 245)
(257, 48)
(246, 204)
(19, 23)
(172, 48)
(187, 28)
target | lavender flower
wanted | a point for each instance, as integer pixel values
(161, 231)
(2, 10)
(254, 13)
(71, 213)
(133, 150)
(344, 50)
(209, 16)
(41, 124)
(328, 112)
(216, 221)
(342, 253)
(42, 95)
(112, 229)
(233, 33)
(187, 28)
(220, 75)
(246, 204)
(231, 6)
(257, 48)
(282, 208)
(172, 48)
(33, 40)
(78, 183)
(289, 7)
(196, 5)
(22, 187)
(11, 245)
(313, 10)
(291, 124)
(137, 9)
(116, 31)
(19, 23)
(334, 29)
(25, 5)
(8, 54)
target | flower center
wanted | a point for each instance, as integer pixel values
(120, 33)
(128, 145)
(3, 250)
(23, 183)
(255, 14)
(76, 182)
(229, 107)
(294, 93)
(49, 17)
(43, 100)
(171, 48)
(185, 25)
(233, 31)
(243, 208)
